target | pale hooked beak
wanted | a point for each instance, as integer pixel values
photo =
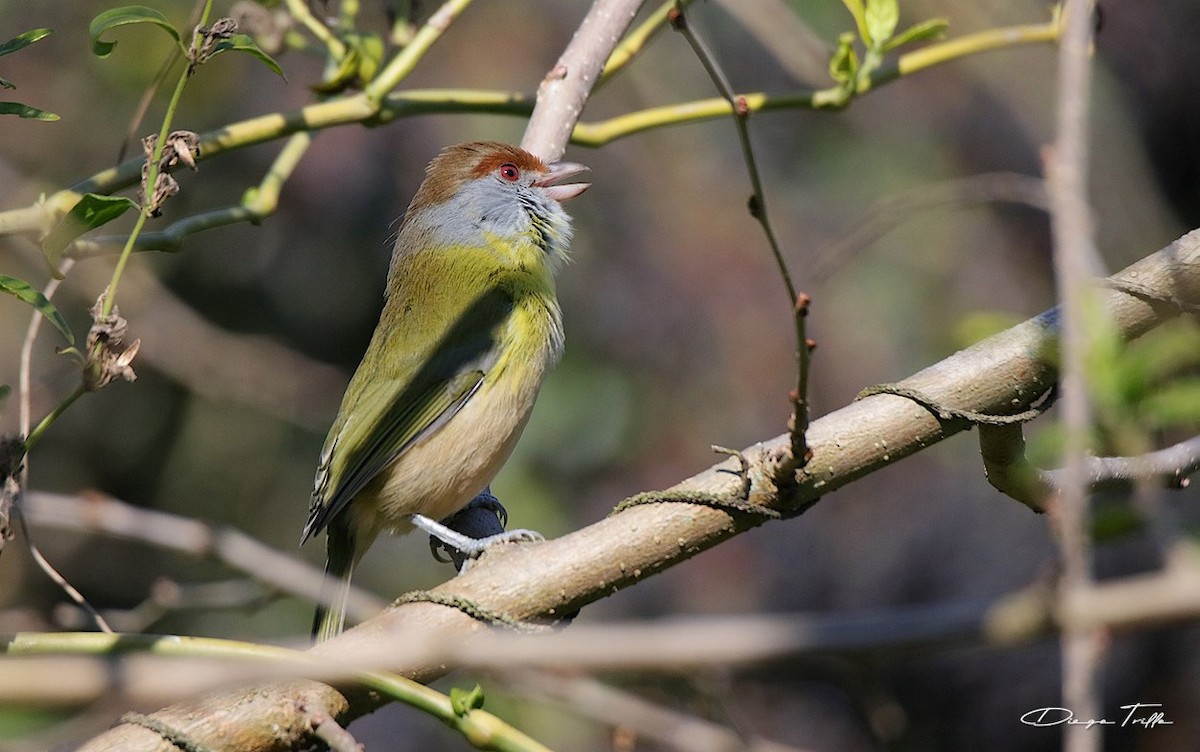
(558, 172)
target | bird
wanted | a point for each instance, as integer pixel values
(470, 325)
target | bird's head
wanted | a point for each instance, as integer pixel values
(481, 191)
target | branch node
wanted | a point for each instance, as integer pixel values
(743, 471)
(803, 301)
(109, 356)
(755, 207)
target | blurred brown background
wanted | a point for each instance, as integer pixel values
(678, 338)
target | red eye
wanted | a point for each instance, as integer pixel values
(510, 172)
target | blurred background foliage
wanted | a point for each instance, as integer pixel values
(678, 338)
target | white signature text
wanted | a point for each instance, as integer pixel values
(1138, 714)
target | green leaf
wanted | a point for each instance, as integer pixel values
(130, 14)
(244, 43)
(934, 28)
(25, 111)
(364, 54)
(856, 10)
(880, 18)
(22, 290)
(463, 701)
(24, 40)
(843, 66)
(4, 391)
(92, 211)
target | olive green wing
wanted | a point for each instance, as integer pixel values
(392, 413)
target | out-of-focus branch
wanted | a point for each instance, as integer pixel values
(625, 710)
(1170, 467)
(235, 549)
(1074, 266)
(1169, 595)
(671, 645)
(481, 729)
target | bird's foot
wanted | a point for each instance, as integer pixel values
(465, 535)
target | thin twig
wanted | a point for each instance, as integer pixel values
(54, 575)
(24, 381)
(398, 68)
(797, 303)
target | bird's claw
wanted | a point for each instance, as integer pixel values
(465, 535)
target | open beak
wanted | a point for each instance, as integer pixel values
(558, 172)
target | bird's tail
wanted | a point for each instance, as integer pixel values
(330, 618)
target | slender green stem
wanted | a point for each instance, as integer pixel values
(36, 434)
(355, 108)
(264, 199)
(123, 259)
(298, 10)
(151, 178)
(970, 44)
(403, 63)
